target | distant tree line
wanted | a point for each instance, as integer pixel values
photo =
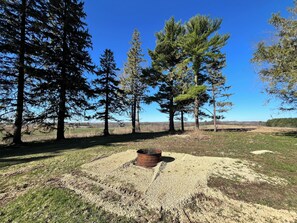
(44, 61)
(282, 122)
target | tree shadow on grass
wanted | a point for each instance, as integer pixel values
(53, 146)
(289, 134)
(13, 161)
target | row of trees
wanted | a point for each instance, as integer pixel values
(44, 54)
(187, 68)
(187, 65)
(44, 58)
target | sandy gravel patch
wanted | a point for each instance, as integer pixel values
(259, 152)
(175, 190)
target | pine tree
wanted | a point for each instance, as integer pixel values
(184, 79)
(64, 90)
(20, 58)
(106, 88)
(218, 89)
(198, 44)
(131, 81)
(165, 58)
(278, 60)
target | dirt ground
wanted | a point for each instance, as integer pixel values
(176, 190)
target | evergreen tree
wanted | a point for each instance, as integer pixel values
(197, 44)
(218, 89)
(131, 81)
(20, 60)
(165, 58)
(279, 60)
(63, 90)
(106, 88)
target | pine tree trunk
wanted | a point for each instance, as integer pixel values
(171, 115)
(17, 135)
(106, 115)
(134, 115)
(106, 129)
(137, 117)
(196, 109)
(62, 91)
(62, 108)
(214, 110)
(182, 120)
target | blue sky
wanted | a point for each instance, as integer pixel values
(111, 24)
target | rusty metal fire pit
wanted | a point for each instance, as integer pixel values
(148, 157)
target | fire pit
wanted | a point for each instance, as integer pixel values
(148, 157)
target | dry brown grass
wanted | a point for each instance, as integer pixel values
(34, 134)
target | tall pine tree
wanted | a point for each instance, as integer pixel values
(64, 90)
(198, 43)
(107, 90)
(131, 81)
(166, 57)
(20, 52)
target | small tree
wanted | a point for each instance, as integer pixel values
(218, 89)
(131, 81)
(278, 60)
(106, 88)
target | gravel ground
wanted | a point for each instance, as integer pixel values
(175, 190)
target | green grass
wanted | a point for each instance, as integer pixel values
(54, 205)
(28, 173)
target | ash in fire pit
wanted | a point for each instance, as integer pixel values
(148, 157)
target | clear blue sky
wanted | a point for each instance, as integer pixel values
(111, 24)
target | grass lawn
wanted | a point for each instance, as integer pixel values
(30, 189)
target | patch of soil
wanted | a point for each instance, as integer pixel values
(176, 191)
(275, 196)
(12, 192)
